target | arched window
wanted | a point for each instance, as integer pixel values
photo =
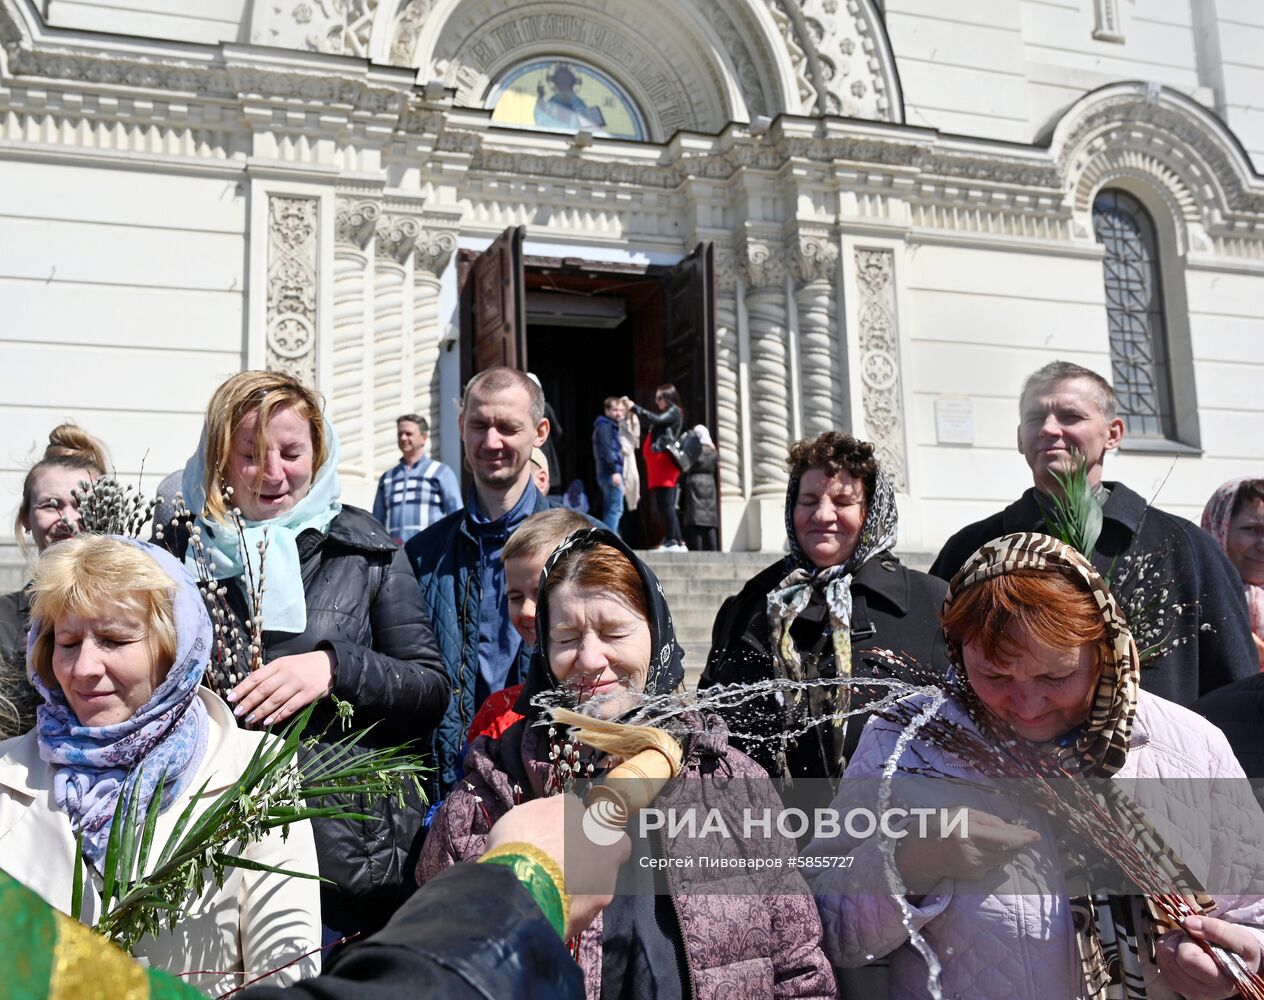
(1139, 353)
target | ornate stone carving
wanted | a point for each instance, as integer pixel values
(388, 350)
(814, 261)
(814, 257)
(293, 225)
(347, 398)
(750, 77)
(770, 401)
(407, 30)
(338, 27)
(764, 271)
(396, 236)
(674, 86)
(727, 358)
(763, 264)
(433, 249)
(882, 394)
(839, 68)
(355, 222)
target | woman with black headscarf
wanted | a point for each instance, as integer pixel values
(606, 642)
(838, 593)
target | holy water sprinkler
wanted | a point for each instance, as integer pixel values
(651, 758)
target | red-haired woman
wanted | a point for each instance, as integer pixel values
(1014, 908)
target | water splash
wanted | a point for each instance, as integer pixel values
(669, 712)
(887, 846)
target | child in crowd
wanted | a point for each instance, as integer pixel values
(524, 556)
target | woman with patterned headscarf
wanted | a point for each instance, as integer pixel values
(1019, 905)
(838, 593)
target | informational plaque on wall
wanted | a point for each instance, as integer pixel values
(954, 419)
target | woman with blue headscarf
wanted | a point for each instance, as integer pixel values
(118, 645)
(341, 615)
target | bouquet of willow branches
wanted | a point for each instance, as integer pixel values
(1075, 517)
(143, 886)
(1090, 817)
(238, 648)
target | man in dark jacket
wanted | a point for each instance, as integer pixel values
(457, 559)
(608, 454)
(1183, 597)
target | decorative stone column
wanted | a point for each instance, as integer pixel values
(727, 360)
(880, 362)
(293, 252)
(765, 275)
(396, 236)
(814, 261)
(354, 227)
(433, 251)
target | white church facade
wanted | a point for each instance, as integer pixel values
(809, 214)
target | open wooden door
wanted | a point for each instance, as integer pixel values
(689, 337)
(493, 306)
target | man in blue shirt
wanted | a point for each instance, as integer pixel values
(608, 455)
(457, 559)
(419, 490)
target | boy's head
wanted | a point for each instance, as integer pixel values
(524, 556)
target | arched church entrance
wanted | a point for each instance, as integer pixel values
(588, 330)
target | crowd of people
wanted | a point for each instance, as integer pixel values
(448, 624)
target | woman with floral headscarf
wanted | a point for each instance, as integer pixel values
(605, 643)
(119, 643)
(838, 593)
(1022, 903)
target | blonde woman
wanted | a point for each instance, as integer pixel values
(341, 613)
(119, 642)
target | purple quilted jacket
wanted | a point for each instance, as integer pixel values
(752, 945)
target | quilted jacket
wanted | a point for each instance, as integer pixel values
(445, 560)
(764, 944)
(1022, 947)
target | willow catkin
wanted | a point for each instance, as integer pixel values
(651, 758)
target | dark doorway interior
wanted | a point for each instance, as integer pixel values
(581, 360)
(589, 329)
(578, 369)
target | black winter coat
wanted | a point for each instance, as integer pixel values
(1208, 643)
(15, 689)
(664, 425)
(470, 933)
(702, 503)
(364, 606)
(893, 607)
(1237, 710)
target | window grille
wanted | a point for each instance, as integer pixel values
(1134, 307)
